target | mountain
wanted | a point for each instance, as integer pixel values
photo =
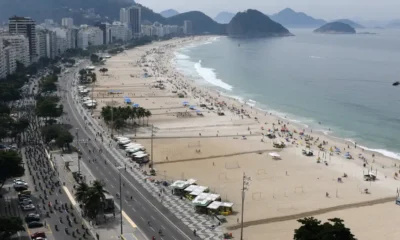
(253, 23)
(224, 17)
(349, 22)
(289, 18)
(169, 13)
(201, 23)
(336, 28)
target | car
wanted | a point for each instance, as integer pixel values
(28, 207)
(19, 180)
(40, 238)
(38, 234)
(35, 224)
(20, 183)
(33, 215)
(20, 188)
(25, 201)
(32, 218)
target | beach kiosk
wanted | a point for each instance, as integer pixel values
(220, 208)
(202, 201)
(179, 186)
(193, 191)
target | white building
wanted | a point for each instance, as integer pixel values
(123, 15)
(67, 22)
(83, 39)
(187, 27)
(159, 30)
(119, 31)
(3, 71)
(20, 44)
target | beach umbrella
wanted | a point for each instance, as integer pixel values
(198, 111)
(135, 105)
(192, 107)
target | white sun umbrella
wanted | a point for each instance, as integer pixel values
(124, 141)
(131, 145)
(134, 147)
(133, 150)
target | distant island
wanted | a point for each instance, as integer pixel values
(336, 28)
(253, 23)
(350, 22)
(289, 18)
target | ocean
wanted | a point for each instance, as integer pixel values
(339, 84)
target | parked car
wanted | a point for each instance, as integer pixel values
(32, 218)
(20, 183)
(35, 224)
(25, 201)
(19, 180)
(38, 234)
(28, 207)
(20, 188)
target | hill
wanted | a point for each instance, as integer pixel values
(201, 23)
(224, 17)
(289, 18)
(351, 23)
(169, 13)
(253, 23)
(336, 28)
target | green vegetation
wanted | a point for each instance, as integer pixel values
(201, 23)
(10, 226)
(118, 116)
(57, 132)
(11, 166)
(92, 198)
(48, 107)
(313, 229)
(48, 83)
(336, 27)
(253, 23)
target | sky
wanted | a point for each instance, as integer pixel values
(326, 9)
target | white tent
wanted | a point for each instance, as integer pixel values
(275, 155)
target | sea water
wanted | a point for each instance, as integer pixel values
(340, 84)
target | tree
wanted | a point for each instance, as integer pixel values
(10, 226)
(94, 58)
(312, 229)
(58, 133)
(92, 198)
(48, 107)
(82, 192)
(147, 114)
(11, 165)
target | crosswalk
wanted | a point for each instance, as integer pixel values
(182, 209)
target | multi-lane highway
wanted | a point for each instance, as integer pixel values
(146, 211)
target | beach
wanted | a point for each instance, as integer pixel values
(216, 150)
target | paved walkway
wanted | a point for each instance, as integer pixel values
(110, 229)
(181, 208)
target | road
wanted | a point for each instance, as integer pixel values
(144, 207)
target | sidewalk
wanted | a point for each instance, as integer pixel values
(111, 227)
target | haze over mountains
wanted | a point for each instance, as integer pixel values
(91, 11)
(169, 13)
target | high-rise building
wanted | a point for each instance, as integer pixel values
(47, 43)
(123, 15)
(20, 44)
(3, 71)
(67, 22)
(25, 26)
(187, 27)
(83, 39)
(134, 21)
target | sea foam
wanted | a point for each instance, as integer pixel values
(209, 75)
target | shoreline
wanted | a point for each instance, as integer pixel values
(328, 133)
(216, 150)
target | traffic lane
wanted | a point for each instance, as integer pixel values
(182, 227)
(136, 209)
(144, 191)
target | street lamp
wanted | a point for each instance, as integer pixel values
(120, 195)
(246, 183)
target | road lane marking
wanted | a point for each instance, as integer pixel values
(111, 185)
(142, 218)
(163, 227)
(152, 229)
(133, 209)
(128, 219)
(152, 217)
(69, 195)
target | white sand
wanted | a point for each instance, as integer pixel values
(293, 185)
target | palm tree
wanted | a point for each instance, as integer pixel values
(141, 112)
(147, 114)
(95, 199)
(82, 192)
